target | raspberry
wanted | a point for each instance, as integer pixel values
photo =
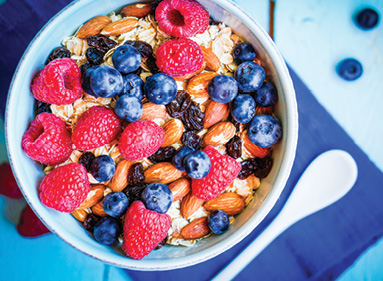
(182, 18)
(59, 82)
(65, 187)
(47, 140)
(143, 230)
(30, 225)
(8, 184)
(140, 139)
(178, 57)
(96, 127)
(223, 171)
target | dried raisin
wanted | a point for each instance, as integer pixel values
(163, 154)
(248, 167)
(179, 105)
(136, 174)
(90, 221)
(191, 139)
(58, 53)
(192, 118)
(86, 159)
(144, 48)
(151, 64)
(133, 192)
(264, 167)
(234, 147)
(101, 42)
(41, 107)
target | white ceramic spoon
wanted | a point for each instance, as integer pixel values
(328, 178)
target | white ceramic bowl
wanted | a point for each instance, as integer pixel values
(19, 113)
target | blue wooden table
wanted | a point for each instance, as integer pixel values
(313, 36)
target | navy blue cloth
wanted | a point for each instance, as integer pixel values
(319, 247)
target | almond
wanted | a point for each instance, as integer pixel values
(153, 111)
(254, 149)
(138, 10)
(190, 204)
(268, 110)
(214, 113)
(211, 59)
(197, 86)
(93, 26)
(180, 188)
(119, 26)
(120, 178)
(95, 194)
(79, 214)
(163, 172)
(198, 228)
(219, 134)
(190, 75)
(230, 202)
(173, 131)
(98, 210)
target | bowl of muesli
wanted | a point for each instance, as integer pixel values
(151, 135)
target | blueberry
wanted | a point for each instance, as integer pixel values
(222, 88)
(126, 59)
(218, 222)
(115, 204)
(94, 56)
(84, 67)
(367, 18)
(105, 81)
(85, 80)
(128, 108)
(244, 52)
(160, 88)
(197, 164)
(102, 168)
(243, 108)
(250, 76)
(107, 230)
(178, 158)
(349, 69)
(264, 130)
(133, 86)
(266, 95)
(157, 197)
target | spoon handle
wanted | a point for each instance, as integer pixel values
(329, 177)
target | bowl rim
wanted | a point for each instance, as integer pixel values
(214, 250)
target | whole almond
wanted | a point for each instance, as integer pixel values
(79, 214)
(252, 148)
(120, 178)
(119, 26)
(211, 59)
(95, 194)
(153, 111)
(215, 112)
(93, 26)
(163, 172)
(197, 86)
(98, 210)
(180, 188)
(219, 134)
(198, 228)
(173, 131)
(138, 10)
(230, 202)
(190, 204)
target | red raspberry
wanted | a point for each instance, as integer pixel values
(96, 127)
(141, 139)
(59, 82)
(47, 140)
(179, 57)
(65, 187)
(8, 184)
(30, 225)
(224, 169)
(143, 230)
(182, 18)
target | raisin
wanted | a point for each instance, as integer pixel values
(144, 48)
(248, 167)
(136, 174)
(192, 118)
(138, 71)
(41, 107)
(179, 105)
(94, 56)
(90, 221)
(164, 154)
(191, 139)
(235, 123)
(264, 167)
(155, 3)
(86, 159)
(84, 67)
(133, 192)
(58, 53)
(162, 243)
(151, 64)
(101, 42)
(234, 147)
